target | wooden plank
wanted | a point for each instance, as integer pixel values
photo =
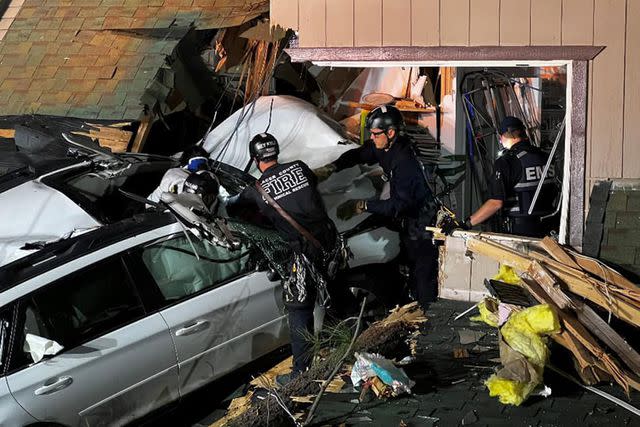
(484, 28)
(631, 146)
(425, 23)
(515, 22)
(454, 23)
(577, 22)
(312, 22)
(368, 22)
(621, 309)
(143, 133)
(284, 13)
(558, 253)
(607, 335)
(111, 132)
(546, 22)
(340, 23)
(7, 133)
(396, 25)
(603, 271)
(549, 284)
(577, 329)
(608, 89)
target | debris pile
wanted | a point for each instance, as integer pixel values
(380, 375)
(566, 284)
(291, 400)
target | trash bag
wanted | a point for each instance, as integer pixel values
(370, 365)
(523, 353)
(507, 274)
(488, 309)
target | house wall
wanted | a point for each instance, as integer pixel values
(613, 123)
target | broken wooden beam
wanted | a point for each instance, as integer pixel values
(578, 330)
(575, 282)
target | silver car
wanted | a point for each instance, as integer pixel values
(105, 326)
(109, 311)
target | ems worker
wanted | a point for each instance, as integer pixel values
(292, 187)
(410, 202)
(517, 173)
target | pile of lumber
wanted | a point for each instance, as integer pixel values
(572, 283)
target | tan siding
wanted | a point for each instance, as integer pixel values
(608, 87)
(396, 22)
(425, 22)
(577, 22)
(284, 13)
(631, 142)
(484, 28)
(312, 23)
(454, 22)
(515, 22)
(339, 23)
(367, 23)
(546, 22)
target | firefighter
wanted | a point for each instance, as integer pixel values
(517, 172)
(411, 203)
(292, 187)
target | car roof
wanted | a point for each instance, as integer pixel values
(60, 252)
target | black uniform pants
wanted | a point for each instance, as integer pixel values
(301, 328)
(422, 260)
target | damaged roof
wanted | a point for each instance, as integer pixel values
(96, 58)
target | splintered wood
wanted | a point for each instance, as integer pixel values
(111, 136)
(558, 276)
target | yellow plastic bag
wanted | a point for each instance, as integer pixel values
(509, 392)
(523, 332)
(507, 274)
(523, 353)
(488, 308)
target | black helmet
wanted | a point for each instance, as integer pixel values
(385, 117)
(205, 184)
(512, 125)
(264, 147)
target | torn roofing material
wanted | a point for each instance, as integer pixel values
(95, 59)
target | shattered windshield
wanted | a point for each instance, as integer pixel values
(274, 248)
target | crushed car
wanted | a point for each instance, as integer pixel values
(109, 310)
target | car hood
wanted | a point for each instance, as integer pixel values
(36, 212)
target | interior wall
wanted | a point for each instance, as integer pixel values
(613, 128)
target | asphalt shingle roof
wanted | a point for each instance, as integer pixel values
(95, 58)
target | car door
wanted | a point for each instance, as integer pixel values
(222, 313)
(116, 364)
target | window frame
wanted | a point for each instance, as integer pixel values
(19, 318)
(144, 278)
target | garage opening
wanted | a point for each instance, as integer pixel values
(452, 112)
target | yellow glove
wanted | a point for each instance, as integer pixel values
(351, 208)
(324, 172)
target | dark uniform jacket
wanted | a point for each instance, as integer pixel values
(515, 179)
(410, 198)
(293, 187)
